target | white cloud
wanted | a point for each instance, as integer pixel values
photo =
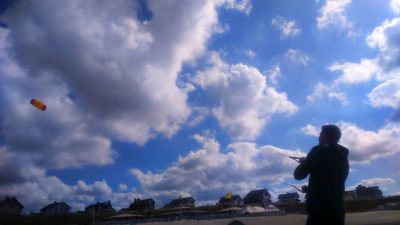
(386, 94)
(250, 53)
(110, 78)
(379, 37)
(245, 102)
(395, 193)
(311, 130)
(220, 29)
(350, 73)
(48, 189)
(123, 187)
(274, 74)
(297, 56)
(366, 145)
(395, 6)
(384, 68)
(385, 38)
(113, 77)
(242, 167)
(16, 168)
(240, 5)
(288, 28)
(333, 13)
(354, 73)
(198, 116)
(322, 91)
(122, 72)
(57, 138)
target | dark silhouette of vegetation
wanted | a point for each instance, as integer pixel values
(60, 219)
(81, 218)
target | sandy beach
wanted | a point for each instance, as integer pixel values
(363, 218)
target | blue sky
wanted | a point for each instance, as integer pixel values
(157, 99)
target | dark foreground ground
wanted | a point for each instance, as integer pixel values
(364, 218)
(388, 217)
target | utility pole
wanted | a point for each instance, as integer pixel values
(180, 207)
(94, 221)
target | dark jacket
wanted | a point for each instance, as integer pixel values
(328, 168)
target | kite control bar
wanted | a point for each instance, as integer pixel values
(303, 188)
(297, 159)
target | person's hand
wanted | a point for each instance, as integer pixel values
(301, 160)
(304, 188)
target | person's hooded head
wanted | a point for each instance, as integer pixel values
(330, 134)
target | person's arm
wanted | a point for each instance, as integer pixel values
(306, 166)
(347, 169)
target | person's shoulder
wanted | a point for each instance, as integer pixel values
(316, 149)
(343, 150)
(319, 147)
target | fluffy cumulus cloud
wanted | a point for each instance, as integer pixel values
(367, 145)
(385, 38)
(122, 72)
(48, 189)
(16, 168)
(322, 91)
(57, 138)
(273, 74)
(297, 56)
(245, 101)
(241, 5)
(354, 73)
(241, 167)
(386, 94)
(384, 68)
(123, 187)
(19, 177)
(333, 13)
(250, 53)
(288, 28)
(112, 77)
(395, 6)
(311, 130)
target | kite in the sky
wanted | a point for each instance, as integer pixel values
(38, 104)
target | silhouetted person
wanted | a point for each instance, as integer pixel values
(328, 168)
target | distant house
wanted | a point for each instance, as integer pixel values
(144, 204)
(10, 206)
(233, 200)
(103, 207)
(181, 203)
(289, 198)
(258, 198)
(363, 192)
(350, 195)
(56, 208)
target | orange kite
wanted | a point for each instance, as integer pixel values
(38, 104)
